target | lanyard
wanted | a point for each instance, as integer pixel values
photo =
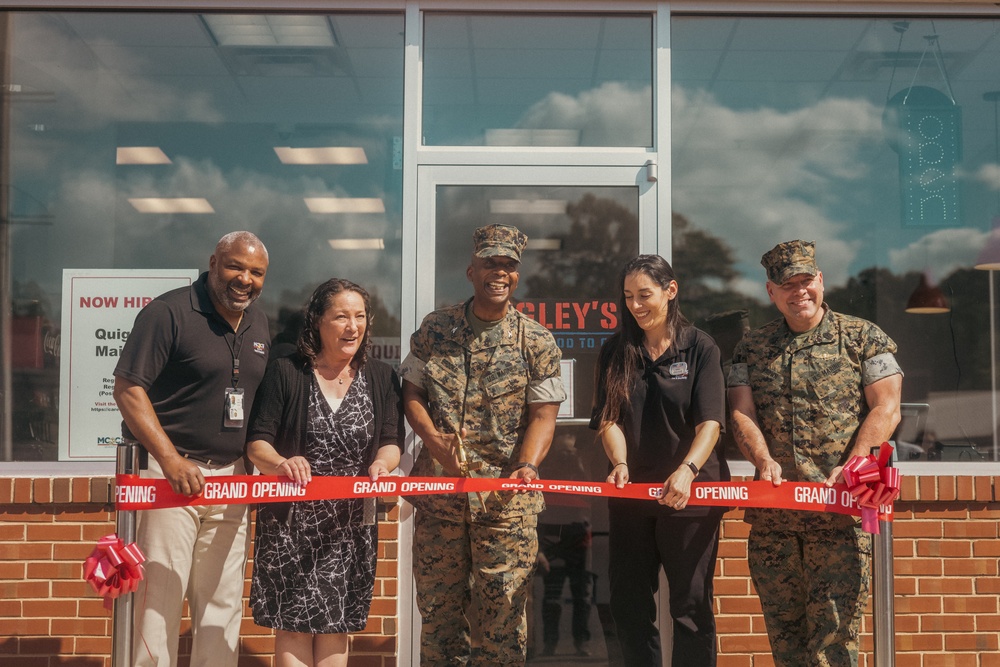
(235, 348)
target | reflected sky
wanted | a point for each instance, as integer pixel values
(777, 133)
(87, 83)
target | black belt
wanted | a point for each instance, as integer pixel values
(208, 460)
(200, 458)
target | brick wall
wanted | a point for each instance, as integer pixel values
(50, 616)
(947, 581)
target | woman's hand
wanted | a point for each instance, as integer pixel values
(377, 469)
(296, 469)
(619, 475)
(677, 488)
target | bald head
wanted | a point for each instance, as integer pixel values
(236, 273)
(247, 239)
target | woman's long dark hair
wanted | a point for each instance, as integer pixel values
(322, 298)
(626, 345)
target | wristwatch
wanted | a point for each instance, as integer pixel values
(693, 467)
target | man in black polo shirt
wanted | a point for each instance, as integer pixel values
(184, 383)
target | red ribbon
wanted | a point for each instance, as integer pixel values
(872, 482)
(135, 493)
(113, 568)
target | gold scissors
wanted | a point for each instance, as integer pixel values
(465, 467)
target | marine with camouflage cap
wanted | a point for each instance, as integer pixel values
(807, 392)
(481, 388)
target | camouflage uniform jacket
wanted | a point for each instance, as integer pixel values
(808, 390)
(484, 385)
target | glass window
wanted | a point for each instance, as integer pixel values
(137, 140)
(537, 80)
(578, 239)
(878, 139)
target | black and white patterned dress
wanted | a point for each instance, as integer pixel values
(316, 573)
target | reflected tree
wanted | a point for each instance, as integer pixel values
(602, 236)
(706, 270)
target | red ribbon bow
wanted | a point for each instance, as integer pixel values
(113, 569)
(872, 483)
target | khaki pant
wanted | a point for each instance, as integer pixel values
(200, 553)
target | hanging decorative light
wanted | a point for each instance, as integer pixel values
(927, 299)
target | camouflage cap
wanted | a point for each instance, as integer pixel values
(790, 259)
(502, 240)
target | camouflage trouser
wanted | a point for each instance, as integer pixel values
(813, 587)
(474, 570)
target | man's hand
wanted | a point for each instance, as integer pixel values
(770, 471)
(445, 450)
(184, 476)
(525, 474)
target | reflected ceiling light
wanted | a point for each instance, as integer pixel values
(141, 155)
(271, 30)
(528, 206)
(544, 244)
(171, 205)
(345, 205)
(357, 244)
(527, 137)
(927, 299)
(321, 155)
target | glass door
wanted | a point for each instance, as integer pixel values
(582, 223)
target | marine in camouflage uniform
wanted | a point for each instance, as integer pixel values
(808, 391)
(497, 382)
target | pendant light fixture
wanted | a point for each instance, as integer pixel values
(927, 299)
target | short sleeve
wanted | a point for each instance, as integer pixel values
(878, 357)
(412, 367)
(544, 369)
(878, 367)
(149, 345)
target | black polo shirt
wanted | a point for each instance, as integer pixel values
(670, 397)
(181, 351)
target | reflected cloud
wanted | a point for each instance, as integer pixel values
(989, 175)
(613, 114)
(297, 242)
(943, 251)
(75, 70)
(780, 166)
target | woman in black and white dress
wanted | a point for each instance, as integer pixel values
(327, 410)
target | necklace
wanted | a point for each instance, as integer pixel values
(340, 375)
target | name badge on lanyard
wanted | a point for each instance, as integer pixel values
(234, 408)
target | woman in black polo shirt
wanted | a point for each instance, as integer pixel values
(660, 407)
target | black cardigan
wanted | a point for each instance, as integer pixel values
(281, 411)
